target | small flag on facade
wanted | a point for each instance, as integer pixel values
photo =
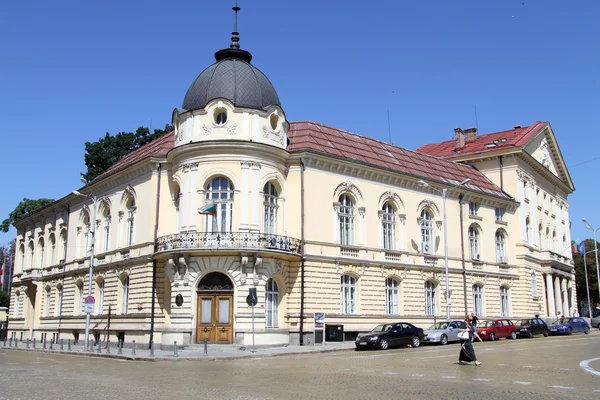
(581, 248)
(208, 209)
(574, 247)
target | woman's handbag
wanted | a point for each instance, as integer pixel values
(463, 335)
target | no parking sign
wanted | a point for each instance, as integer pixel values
(88, 304)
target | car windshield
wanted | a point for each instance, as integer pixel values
(485, 324)
(382, 328)
(562, 321)
(524, 322)
(439, 325)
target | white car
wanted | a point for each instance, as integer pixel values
(444, 332)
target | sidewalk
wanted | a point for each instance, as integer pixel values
(194, 352)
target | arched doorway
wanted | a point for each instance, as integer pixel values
(215, 309)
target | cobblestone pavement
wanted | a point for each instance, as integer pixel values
(539, 368)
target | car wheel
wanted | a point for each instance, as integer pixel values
(570, 331)
(443, 340)
(492, 337)
(545, 334)
(513, 335)
(384, 344)
(529, 334)
(587, 330)
(416, 342)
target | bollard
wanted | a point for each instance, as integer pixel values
(107, 346)
(44, 343)
(133, 348)
(51, 344)
(119, 347)
(69, 345)
(61, 345)
(16, 343)
(175, 354)
(99, 347)
(205, 347)
(27, 343)
(34, 343)
(152, 348)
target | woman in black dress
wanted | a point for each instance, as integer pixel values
(467, 352)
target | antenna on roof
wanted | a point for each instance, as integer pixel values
(389, 128)
(476, 123)
(235, 35)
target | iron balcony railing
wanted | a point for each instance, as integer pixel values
(229, 240)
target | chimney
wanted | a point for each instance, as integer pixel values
(470, 134)
(460, 138)
(517, 126)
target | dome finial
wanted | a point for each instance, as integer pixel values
(235, 35)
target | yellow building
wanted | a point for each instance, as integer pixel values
(314, 218)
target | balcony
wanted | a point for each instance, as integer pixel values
(230, 240)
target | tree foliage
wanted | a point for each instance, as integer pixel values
(7, 261)
(582, 288)
(24, 208)
(100, 155)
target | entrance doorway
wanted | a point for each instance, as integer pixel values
(215, 309)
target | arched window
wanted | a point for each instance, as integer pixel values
(31, 255)
(346, 220)
(106, 228)
(63, 241)
(131, 208)
(272, 304)
(391, 297)
(554, 242)
(430, 305)
(79, 299)
(41, 253)
(426, 226)
(388, 222)
(477, 300)
(527, 229)
(177, 205)
(548, 239)
(86, 235)
(220, 192)
(533, 285)
(100, 295)
(48, 299)
(541, 236)
(500, 251)
(270, 208)
(504, 306)
(474, 243)
(347, 294)
(125, 295)
(22, 256)
(52, 244)
(59, 301)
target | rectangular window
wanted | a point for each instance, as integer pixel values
(224, 311)
(477, 300)
(391, 297)
(348, 295)
(503, 302)
(17, 306)
(59, 302)
(125, 295)
(473, 208)
(429, 299)
(47, 305)
(499, 214)
(206, 311)
(100, 297)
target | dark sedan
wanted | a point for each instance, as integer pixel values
(394, 334)
(531, 327)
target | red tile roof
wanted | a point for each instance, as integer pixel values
(513, 138)
(158, 147)
(323, 139)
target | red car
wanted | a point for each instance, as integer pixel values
(496, 329)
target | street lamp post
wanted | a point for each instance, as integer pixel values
(91, 271)
(588, 226)
(444, 193)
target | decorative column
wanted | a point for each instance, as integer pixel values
(255, 194)
(550, 294)
(336, 225)
(522, 205)
(245, 193)
(565, 297)
(186, 196)
(557, 299)
(193, 196)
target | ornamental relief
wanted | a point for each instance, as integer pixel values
(272, 135)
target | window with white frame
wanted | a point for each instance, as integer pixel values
(131, 208)
(347, 294)
(17, 305)
(59, 301)
(527, 227)
(106, 230)
(52, 244)
(63, 240)
(533, 285)
(500, 248)
(391, 296)
(79, 300)
(346, 220)
(430, 307)
(270, 208)
(499, 214)
(477, 300)
(31, 255)
(388, 222)
(100, 297)
(426, 227)
(504, 312)
(41, 250)
(220, 192)
(22, 256)
(125, 295)
(177, 204)
(473, 207)
(541, 236)
(86, 236)
(48, 299)
(474, 243)
(272, 304)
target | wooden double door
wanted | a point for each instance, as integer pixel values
(215, 318)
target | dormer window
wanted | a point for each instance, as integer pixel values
(274, 121)
(220, 116)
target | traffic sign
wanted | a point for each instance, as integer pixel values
(90, 300)
(88, 304)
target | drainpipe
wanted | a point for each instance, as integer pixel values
(462, 251)
(154, 259)
(303, 246)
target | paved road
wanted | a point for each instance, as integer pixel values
(540, 368)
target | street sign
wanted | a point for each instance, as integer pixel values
(88, 304)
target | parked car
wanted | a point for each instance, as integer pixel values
(569, 326)
(394, 334)
(530, 327)
(595, 322)
(444, 332)
(496, 329)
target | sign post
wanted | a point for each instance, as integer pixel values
(251, 300)
(88, 305)
(319, 325)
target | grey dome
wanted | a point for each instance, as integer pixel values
(232, 77)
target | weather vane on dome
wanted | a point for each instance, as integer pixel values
(235, 35)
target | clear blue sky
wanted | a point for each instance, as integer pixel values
(73, 70)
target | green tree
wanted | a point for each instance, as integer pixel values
(581, 284)
(7, 260)
(100, 155)
(4, 298)
(25, 207)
